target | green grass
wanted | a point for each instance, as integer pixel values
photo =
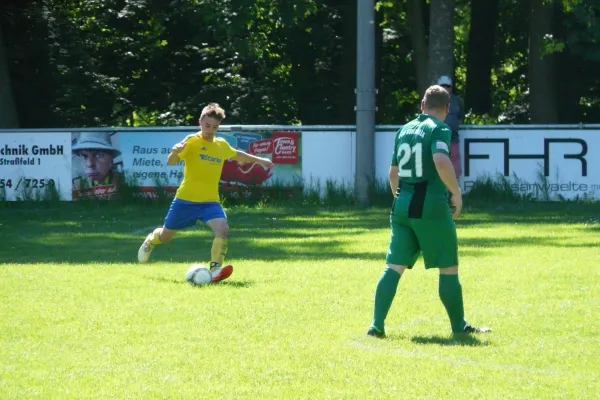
(80, 320)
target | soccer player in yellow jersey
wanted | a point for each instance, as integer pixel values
(197, 197)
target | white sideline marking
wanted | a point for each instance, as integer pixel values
(455, 361)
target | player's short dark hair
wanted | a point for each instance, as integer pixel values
(436, 98)
(213, 110)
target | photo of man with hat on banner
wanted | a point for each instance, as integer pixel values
(95, 165)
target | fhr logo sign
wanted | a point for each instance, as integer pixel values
(556, 163)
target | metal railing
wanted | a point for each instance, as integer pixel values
(302, 128)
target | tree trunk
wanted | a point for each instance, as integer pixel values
(302, 59)
(441, 40)
(480, 56)
(570, 68)
(8, 111)
(542, 85)
(347, 97)
(378, 64)
(418, 38)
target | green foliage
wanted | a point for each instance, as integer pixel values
(399, 97)
(152, 62)
(584, 29)
(474, 119)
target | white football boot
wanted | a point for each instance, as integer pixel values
(146, 249)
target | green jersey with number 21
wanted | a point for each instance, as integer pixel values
(422, 194)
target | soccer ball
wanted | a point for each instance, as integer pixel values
(198, 275)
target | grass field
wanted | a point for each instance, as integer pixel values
(81, 320)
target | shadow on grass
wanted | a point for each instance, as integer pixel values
(456, 340)
(232, 283)
(78, 234)
(252, 246)
(125, 220)
(538, 213)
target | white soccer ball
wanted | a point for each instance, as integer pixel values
(198, 275)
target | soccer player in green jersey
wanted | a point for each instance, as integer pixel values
(421, 174)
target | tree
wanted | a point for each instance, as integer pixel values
(542, 89)
(8, 111)
(78, 63)
(345, 62)
(578, 62)
(441, 39)
(480, 56)
(418, 36)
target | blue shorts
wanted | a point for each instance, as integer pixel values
(183, 214)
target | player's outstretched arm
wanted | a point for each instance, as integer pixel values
(174, 155)
(445, 169)
(394, 179)
(245, 157)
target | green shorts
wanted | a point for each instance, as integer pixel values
(435, 238)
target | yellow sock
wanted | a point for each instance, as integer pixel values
(156, 237)
(218, 251)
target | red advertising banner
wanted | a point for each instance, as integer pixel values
(261, 147)
(104, 191)
(286, 147)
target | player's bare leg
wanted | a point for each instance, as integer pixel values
(218, 251)
(384, 296)
(154, 238)
(450, 291)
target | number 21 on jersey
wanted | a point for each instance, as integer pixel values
(406, 152)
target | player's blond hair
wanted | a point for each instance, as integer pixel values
(213, 110)
(436, 98)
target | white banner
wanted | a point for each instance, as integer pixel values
(34, 165)
(549, 164)
(328, 156)
(146, 158)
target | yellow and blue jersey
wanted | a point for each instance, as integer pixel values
(203, 164)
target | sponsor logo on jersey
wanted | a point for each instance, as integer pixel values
(215, 160)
